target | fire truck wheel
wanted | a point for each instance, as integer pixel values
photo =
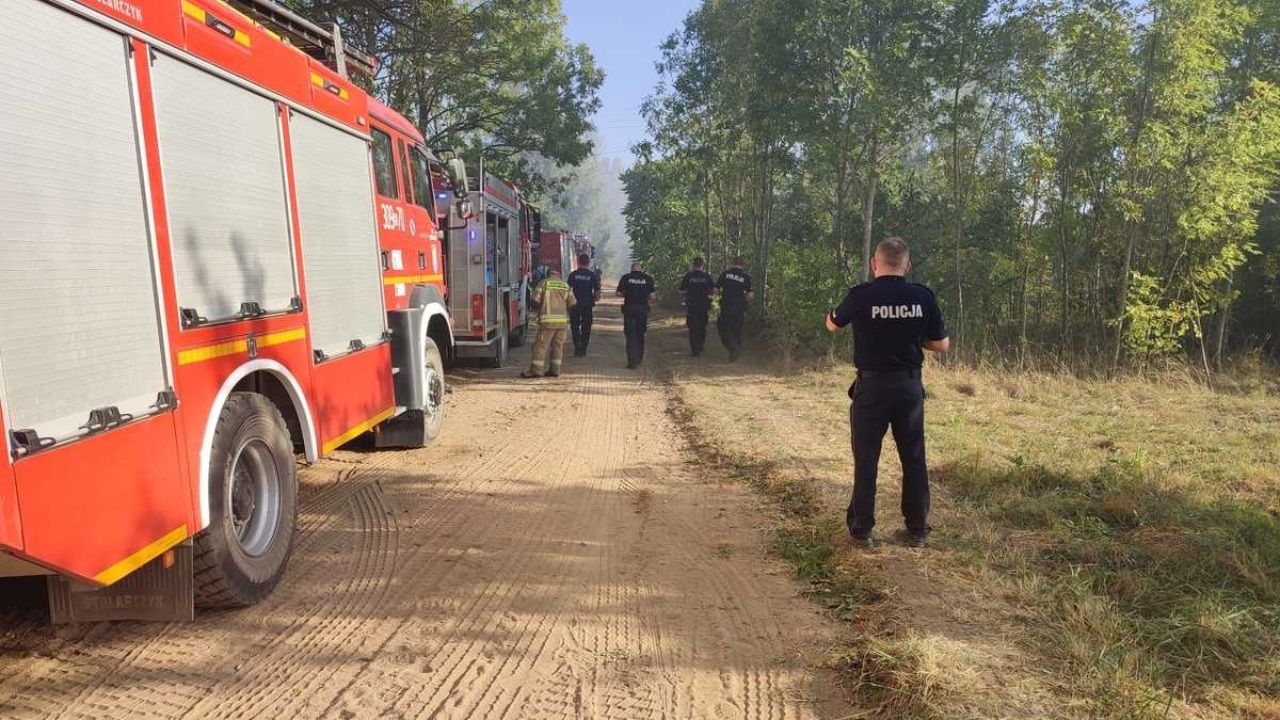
(253, 505)
(434, 412)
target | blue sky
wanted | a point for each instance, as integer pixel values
(624, 38)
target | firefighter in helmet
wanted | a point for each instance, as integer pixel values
(553, 298)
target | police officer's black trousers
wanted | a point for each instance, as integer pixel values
(580, 319)
(730, 327)
(882, 401)
(696, 320)
(635, 321)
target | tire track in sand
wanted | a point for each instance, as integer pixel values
(497, 574)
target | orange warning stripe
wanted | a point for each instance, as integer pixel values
(142, 557)
(236, 347)
(356, 431)
(397, 280)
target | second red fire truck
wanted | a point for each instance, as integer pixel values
(560, 249)
(490, 264)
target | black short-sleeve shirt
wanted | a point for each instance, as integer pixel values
(585, 285)
(636, 288)
(891, 320)
(734, 284)
(697, 286)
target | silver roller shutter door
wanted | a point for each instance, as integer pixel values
(339, 236)
(79, 326)
(224, 181)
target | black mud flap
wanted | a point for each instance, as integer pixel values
(160, 591)
(406, 430)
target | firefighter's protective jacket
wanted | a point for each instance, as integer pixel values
(553, 298)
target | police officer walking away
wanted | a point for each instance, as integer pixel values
(637, 290)
(586, 290)
(698, 286)
(554, 300)
(735, 292)
(894, 322)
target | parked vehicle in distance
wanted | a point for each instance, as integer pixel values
(490, 261)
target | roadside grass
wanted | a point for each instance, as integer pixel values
(1134, 524)
(1138, 520)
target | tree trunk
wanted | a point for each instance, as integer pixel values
(1204, 352)
(1125, 269)
(765, 211)
(868, 217)
(959, 271)
(1022, 321)
(706, 213)
(957, 203)
(1223, 317)
(1065, 320)
(842, 202)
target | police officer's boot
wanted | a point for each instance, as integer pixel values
(862, 541)
(914, 538)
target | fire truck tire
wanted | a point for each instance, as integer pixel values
(434, 416)
(253, 505)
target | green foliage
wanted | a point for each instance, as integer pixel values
(495, 79)
(1075, 177)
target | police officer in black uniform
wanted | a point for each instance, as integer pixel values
(735, 292)
(637, 289)
(894, 322)
(698, 286)
(586, 291)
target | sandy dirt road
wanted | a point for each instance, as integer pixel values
(558, 554)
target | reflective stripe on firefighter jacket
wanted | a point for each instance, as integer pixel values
(554, 298)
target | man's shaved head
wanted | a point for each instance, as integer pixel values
(893, 253)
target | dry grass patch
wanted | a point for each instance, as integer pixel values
(1133, 525)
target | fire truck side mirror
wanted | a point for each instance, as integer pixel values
(465, 210)
(457, 171)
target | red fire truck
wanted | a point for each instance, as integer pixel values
(490, 265)
(559, 250)
(582, 245)
(555, 252)
(194, 214)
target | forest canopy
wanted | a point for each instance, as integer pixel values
(496, 79)
(1082, 179)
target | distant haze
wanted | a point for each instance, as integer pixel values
(624, 38)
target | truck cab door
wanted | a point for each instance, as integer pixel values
(421, 231)
(429, 255)
(393, 217)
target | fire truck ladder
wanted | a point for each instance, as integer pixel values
(324, 45)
